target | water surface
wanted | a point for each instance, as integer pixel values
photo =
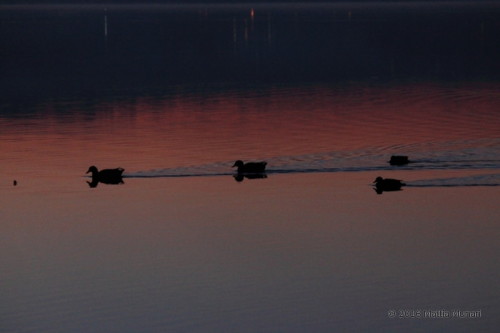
(175, 95)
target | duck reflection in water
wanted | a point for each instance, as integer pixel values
(250, 170)
(106, 176)
(240, 177)
(387, 185)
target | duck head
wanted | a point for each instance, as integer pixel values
(378, 180)
(92, 169)
(238, 163)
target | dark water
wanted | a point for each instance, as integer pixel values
(175, 94)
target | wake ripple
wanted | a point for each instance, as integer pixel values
(463, 155)
(476, 180)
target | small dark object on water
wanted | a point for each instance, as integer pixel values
(387, 184)
(250, 167)
(15, 182)
(106, 176)
(399, 160)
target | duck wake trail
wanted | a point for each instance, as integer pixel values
(476, 180)
(464, 155)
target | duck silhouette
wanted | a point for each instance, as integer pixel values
(250, 167)
(106, 176)
(399, 160)
(387, 184)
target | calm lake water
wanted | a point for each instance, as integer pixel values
(175, 94)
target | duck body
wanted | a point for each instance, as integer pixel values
(250, 167)
(106, 176)
(399, 160)
(387, 184)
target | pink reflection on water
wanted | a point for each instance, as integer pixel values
(189, 129)
(309, 244)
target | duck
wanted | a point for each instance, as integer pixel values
(387, 184)
(399, 160)
(106, 176)
(250, 167)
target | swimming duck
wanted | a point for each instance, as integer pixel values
(399, 160)
(106, 176)
(250, 167)
(387, 184)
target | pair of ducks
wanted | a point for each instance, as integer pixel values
(259, 167)
(115, 176)
(389, 184)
